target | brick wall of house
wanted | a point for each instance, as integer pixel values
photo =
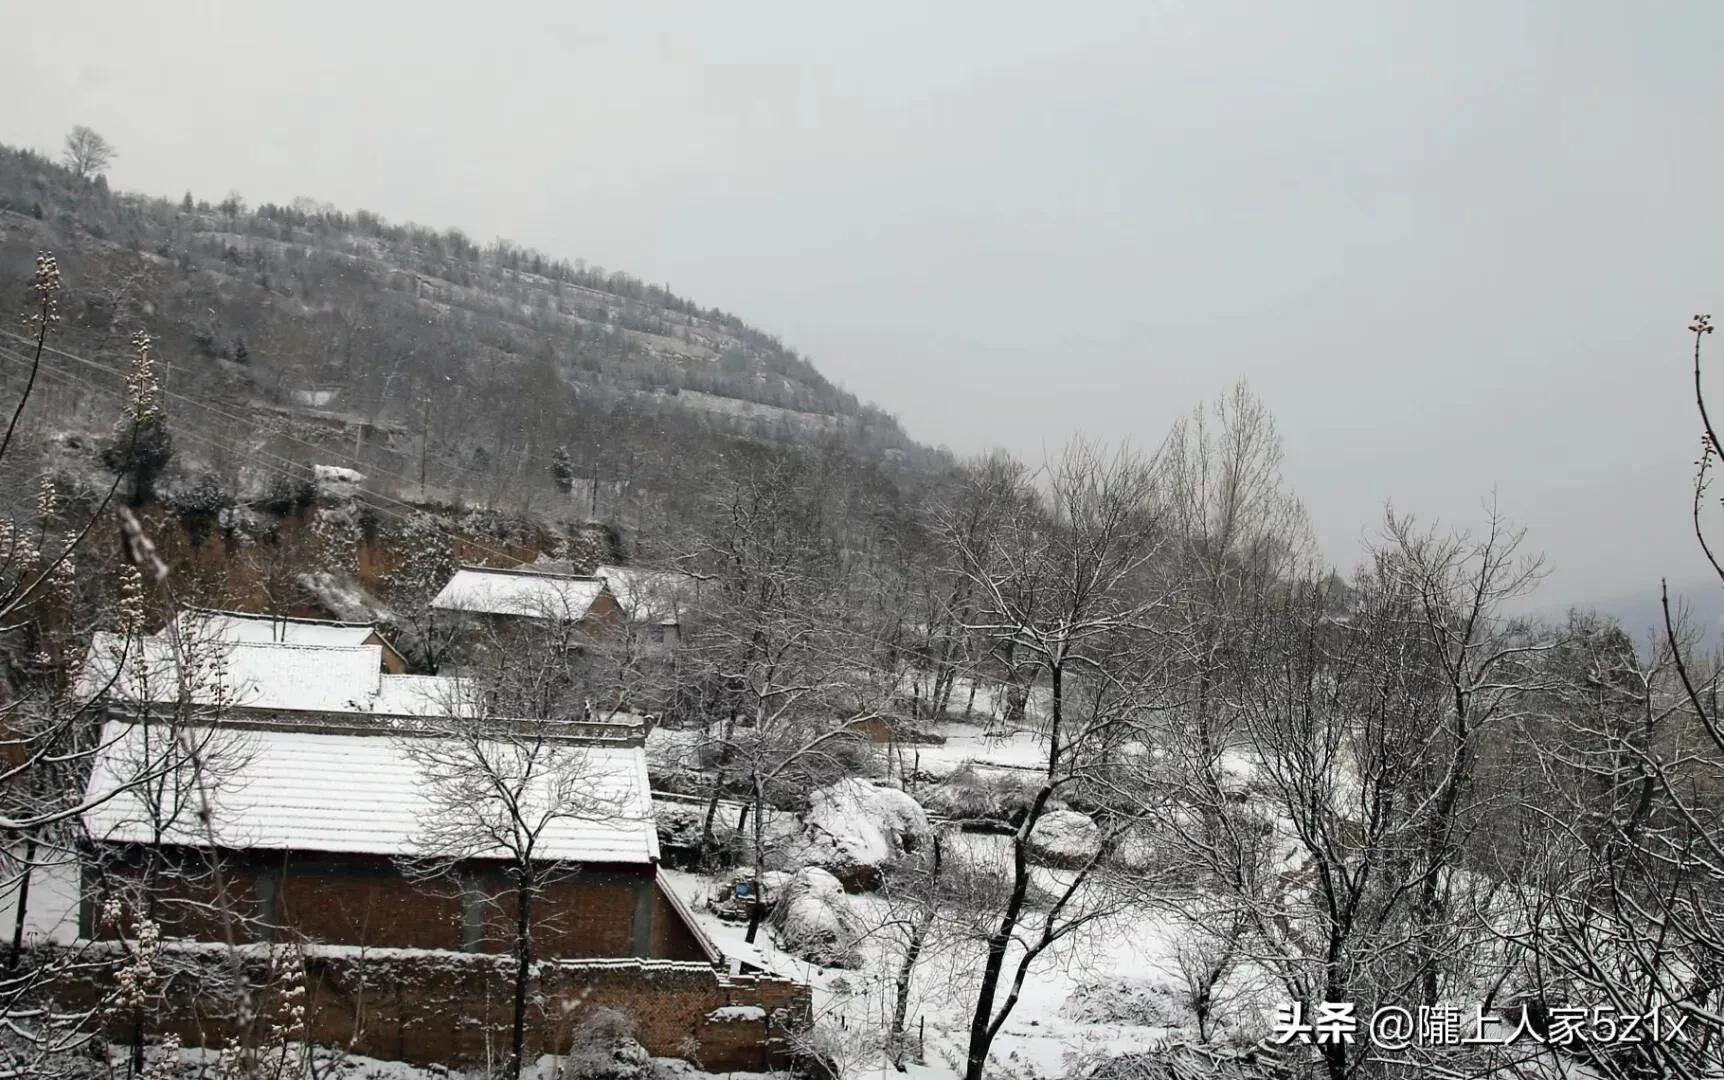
(188, 898)
(672, 937)
(596, 912)
(590, 915)
(352, 907)
(453, 1008)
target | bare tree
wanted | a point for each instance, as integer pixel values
(1332, 835)
(86, 153)
(502, 794)
(971, 515)
(1074, 589)
(165, 756)
(765, 562)
(1462, 586)
(1624, 906)
(1237, 533)
(781, 665)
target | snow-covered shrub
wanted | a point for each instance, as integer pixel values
(336, 479)
(816, 921)
(969, 793)
(832, 1051)
(342, 596)
(1124, 999)
(679, 825)
(197, 491)
(198, 497)
(245, 523)
(602, 1046)
(275, 491)
(1063, 838)
(856, 830)
(142, 446)
(1185, 1060)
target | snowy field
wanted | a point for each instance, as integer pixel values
(1059, 1022)
(984, 746)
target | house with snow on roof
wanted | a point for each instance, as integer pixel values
(654, 602)
(530, 594)
(314, 827)
(495, 606)
(242, 626)
(322, 838)
(267, 791)
(199, 672)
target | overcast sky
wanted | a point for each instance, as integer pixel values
(1454, 246)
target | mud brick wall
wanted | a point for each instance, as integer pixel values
(455, 1008)
(594, 912)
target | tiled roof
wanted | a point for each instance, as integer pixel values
(648, 595)
(286, 790)
(208, 624)
(519, 592)
(260, 675)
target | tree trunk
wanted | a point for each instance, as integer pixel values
(1438, 849)
(756, 908)
(23, 902)
(982, 1023)
(912, 953)
(724, 756)
(981, 1030)
(523, 970)
(706, 833)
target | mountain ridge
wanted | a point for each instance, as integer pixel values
(489, 364)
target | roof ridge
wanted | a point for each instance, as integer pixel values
(526, 571)
(194, 609)
(306, 645)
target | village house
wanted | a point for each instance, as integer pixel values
(653, 601)
(288, 800)
(247, 678)
(241, 626)
(499, 598)
(647, 605)
(313, 825)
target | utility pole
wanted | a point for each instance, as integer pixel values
(424, 445)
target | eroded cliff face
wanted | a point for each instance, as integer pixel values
(327, 555)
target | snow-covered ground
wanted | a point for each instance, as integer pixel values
(52, 911)
(1056, 1022)
(980, 735)
(985, 746)
(1112, 989)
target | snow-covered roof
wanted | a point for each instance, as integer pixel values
(265, 675)
(534, 594)
(422, 695)
(287, 790)
(212, 625)
(648, 595)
